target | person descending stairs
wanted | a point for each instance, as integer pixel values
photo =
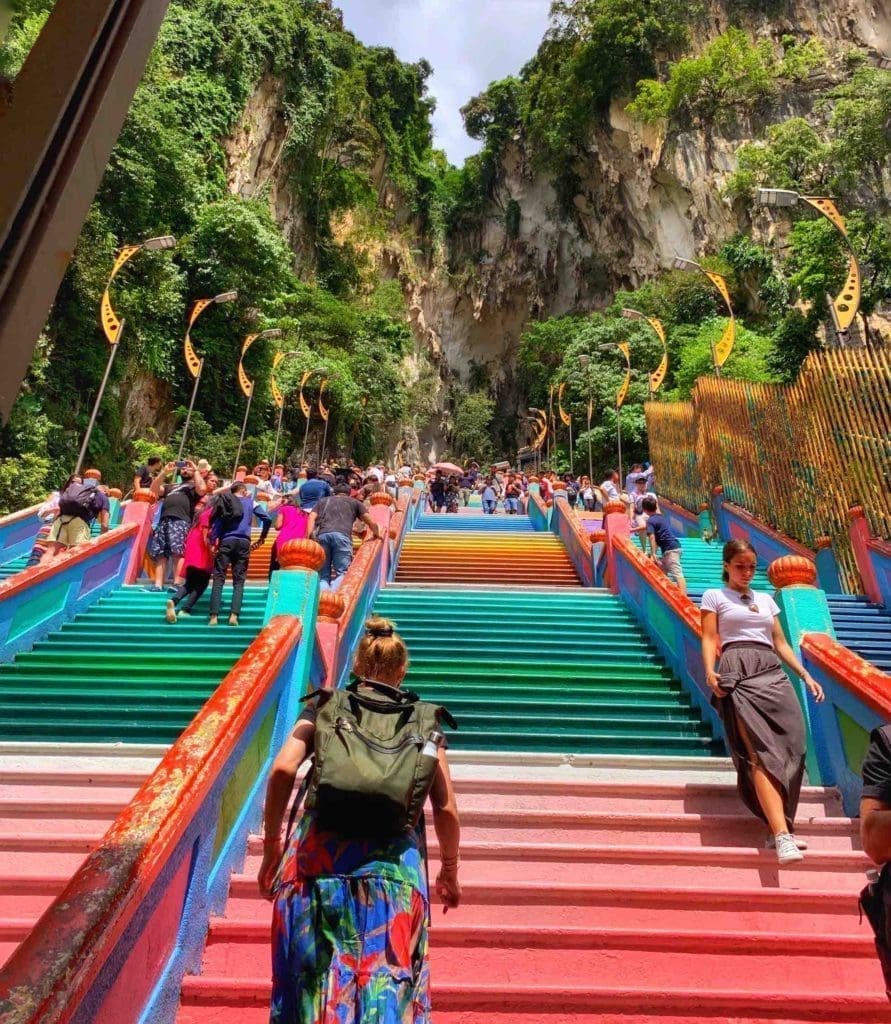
(860, 626)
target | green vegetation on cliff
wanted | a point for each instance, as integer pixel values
(346, 107)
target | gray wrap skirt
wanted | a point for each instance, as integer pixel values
(760, 697)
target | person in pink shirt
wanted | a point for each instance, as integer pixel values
(197, 564)
(291, 525)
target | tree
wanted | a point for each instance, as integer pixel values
(470, 437)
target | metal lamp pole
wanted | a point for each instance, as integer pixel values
(306, 409)
(625, 349)
(193, 364)
(114, 328)
(843, 306)
(583, 365)
(247, 385)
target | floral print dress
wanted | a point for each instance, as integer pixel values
(349, 930)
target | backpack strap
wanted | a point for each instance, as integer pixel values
(395, 693)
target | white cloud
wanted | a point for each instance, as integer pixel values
(469, 43)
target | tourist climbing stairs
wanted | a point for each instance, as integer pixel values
(119, 673)
(645, 898)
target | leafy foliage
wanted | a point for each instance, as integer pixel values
(731, 72)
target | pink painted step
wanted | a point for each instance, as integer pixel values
(49, 821)
(605, 902)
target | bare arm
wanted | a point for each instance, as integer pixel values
(158, 482)
(310, 524)
(375, 529)
(198, 480)
(103, 520)
(875, 829)
(448, 831)
(787, 656)
(709, 622)
(278, 790)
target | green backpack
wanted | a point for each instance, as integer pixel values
(376, 751)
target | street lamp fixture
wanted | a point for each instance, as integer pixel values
(658, 375)
(843, 306)
(584, 361)
(247, 385)
(193, 364)
(113, 328)
(724, 347)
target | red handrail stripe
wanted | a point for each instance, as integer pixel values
(866, 682)
(660, 582)
(28, 577)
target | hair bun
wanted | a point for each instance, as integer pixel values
(379, 631)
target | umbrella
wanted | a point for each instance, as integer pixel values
(449, 467)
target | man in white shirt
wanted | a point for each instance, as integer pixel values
(610, 486)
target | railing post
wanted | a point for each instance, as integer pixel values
(827, 566)
(380, 511)
(616, 524)
(803, 609)
(860, 535)
(140, 510)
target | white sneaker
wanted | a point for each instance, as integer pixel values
(787, 851)
(771, 842)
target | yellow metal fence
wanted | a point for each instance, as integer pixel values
(796, 456)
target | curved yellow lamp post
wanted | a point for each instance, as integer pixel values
(278, 398)
(843, 306)
(306, 408)
(113, 328)
(724, 347)
(324, 412)
(247, 385)
(566, 419)
(194, 364)
(658, 375)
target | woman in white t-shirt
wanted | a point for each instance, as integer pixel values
(757, 704)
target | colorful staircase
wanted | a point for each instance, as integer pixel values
(54, 809)
(603, 901)
(12, 567)
(507, 552)
(119, 673)
(546, 670)
(702, 567)
(862, 627)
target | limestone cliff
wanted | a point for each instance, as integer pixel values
(644, 196)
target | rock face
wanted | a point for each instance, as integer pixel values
(643, 198)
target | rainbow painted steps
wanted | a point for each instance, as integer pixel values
(469, 522)
(702, 566)
(595, 902)
(120, 673)
(497, 556)
(54, 809)
(547, 670)
(11, 568)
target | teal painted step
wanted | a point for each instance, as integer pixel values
(527, 670)
(444, 522)
(120, 673)
(11, 568)
(702, 567)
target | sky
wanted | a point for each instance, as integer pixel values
(470, 43)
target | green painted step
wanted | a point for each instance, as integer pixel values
(119, 673)
(544, 671)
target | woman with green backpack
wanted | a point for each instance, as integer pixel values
(349, 888)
